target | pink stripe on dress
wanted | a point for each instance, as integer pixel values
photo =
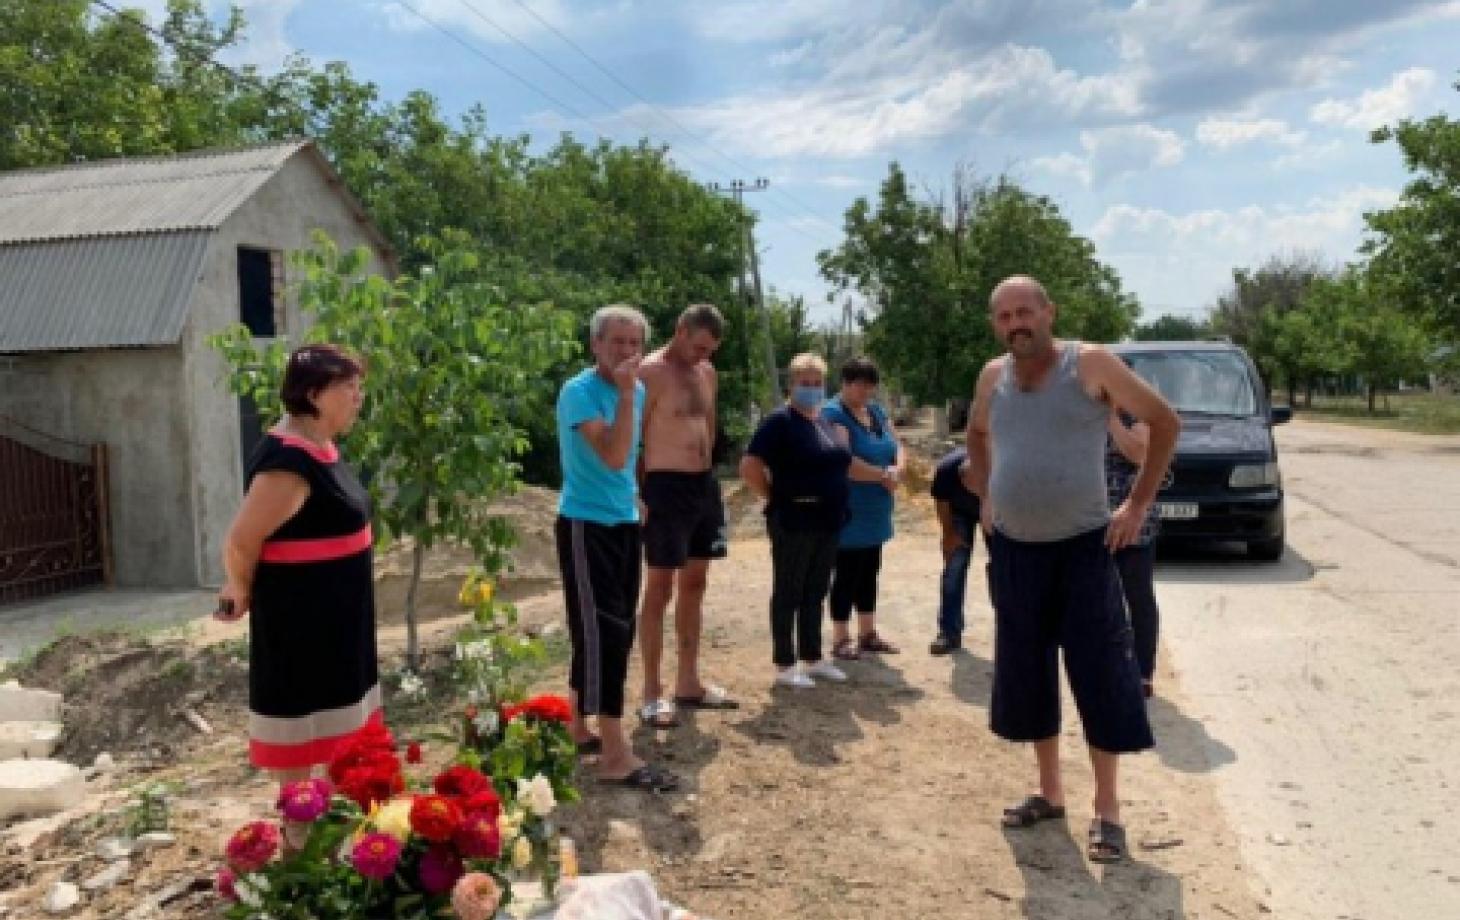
(321, 549)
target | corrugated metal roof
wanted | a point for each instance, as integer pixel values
(156, 194)
(107, 292)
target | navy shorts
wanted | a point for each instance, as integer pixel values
(686, 518)
(1063, 595)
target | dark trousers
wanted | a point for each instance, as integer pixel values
(855, 581)
(801, 564)
(600, 565)
(1138, 583)
(955, 579)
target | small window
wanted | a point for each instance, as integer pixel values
(260, 290)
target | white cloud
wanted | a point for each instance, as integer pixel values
(773, 20)
(265, 42)
(1110, 153)
(1312, 156)
(1377, 107)
(1225, 133)
(1187, 259)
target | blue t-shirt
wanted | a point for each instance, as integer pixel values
(948, 485)
(870, 502)
(592, 491)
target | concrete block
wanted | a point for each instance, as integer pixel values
(39, 787)
(28, 739)
(61, 898)
(19, 704)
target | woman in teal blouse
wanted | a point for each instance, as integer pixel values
(865, 428)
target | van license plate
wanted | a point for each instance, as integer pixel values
(1176, 511)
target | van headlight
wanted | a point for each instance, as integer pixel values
(1253, 475)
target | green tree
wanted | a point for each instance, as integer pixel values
(454, 368)
(1275, 287)
(1380, 343)
(1415, 245)
(1169, 327)
(926, 268)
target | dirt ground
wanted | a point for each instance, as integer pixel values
(878, 798)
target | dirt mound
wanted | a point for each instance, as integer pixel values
(532, 562)
(127, 694)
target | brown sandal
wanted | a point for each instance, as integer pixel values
(871, 642)
(846, 650)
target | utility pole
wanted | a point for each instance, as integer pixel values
(737, 190)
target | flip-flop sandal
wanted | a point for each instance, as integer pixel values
(658, 714)
(589, 746)
(846, 650)
(1031, 811)
(713, 698)
(872, 642)
(647, 778)
(1107, 842)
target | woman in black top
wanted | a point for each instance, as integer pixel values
(795, 464)
(298, 556)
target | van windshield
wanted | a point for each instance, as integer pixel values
(1201, 382)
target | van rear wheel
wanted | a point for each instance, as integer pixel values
(1266, 550)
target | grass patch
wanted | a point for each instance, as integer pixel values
(1423, 413)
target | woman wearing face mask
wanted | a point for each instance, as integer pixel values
(796, 465)
(863, 427)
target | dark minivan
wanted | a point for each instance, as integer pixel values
(1224, 483)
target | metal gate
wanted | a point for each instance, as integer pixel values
(54, 533)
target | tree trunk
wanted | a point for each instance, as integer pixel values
(1292, 390)
(1308, 395)
(413, 651)
(1372, 391)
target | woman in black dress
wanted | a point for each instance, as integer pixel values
(298, 556)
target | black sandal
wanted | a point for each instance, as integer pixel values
(871, 642)
(647, 778)
(1107, 842)
(1031, 811)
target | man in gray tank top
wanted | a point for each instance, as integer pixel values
(1036, 448)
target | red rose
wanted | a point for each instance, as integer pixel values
(435, 817)
(373, 743)
(374, 778)
(548, 707)
(461, 781)
(413, 752)
(484, 802)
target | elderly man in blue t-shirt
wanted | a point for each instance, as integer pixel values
(600, 412)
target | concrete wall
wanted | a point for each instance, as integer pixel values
(282, 215)
(132, 399)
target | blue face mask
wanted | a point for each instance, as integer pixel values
(808, 397)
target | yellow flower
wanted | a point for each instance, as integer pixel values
(485, 591)
(394, 818)
(463, 597)
(522, 853)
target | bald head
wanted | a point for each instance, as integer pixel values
(1017, 286)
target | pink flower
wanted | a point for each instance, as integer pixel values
(440, 868)
(302, 801)
(224, 884)
(375, 856)
(476, 897)
(251, 846)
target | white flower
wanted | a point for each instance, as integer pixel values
(537, 795)
(474, 697)
(486, 722)
(508, 823)
(249, 889)
(522, 853)
(411, 685)
(480, 650)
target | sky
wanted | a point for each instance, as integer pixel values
(1184, 137)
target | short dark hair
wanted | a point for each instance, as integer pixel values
(861, 369)
(703, 316)
(311, 368)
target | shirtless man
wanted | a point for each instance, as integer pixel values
(684, 523)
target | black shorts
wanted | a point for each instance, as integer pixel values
(686, 518)
(600, 568)
(1063, 595)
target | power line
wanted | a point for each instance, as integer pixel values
(663, 113)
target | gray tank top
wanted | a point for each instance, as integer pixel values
(1048, 476)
